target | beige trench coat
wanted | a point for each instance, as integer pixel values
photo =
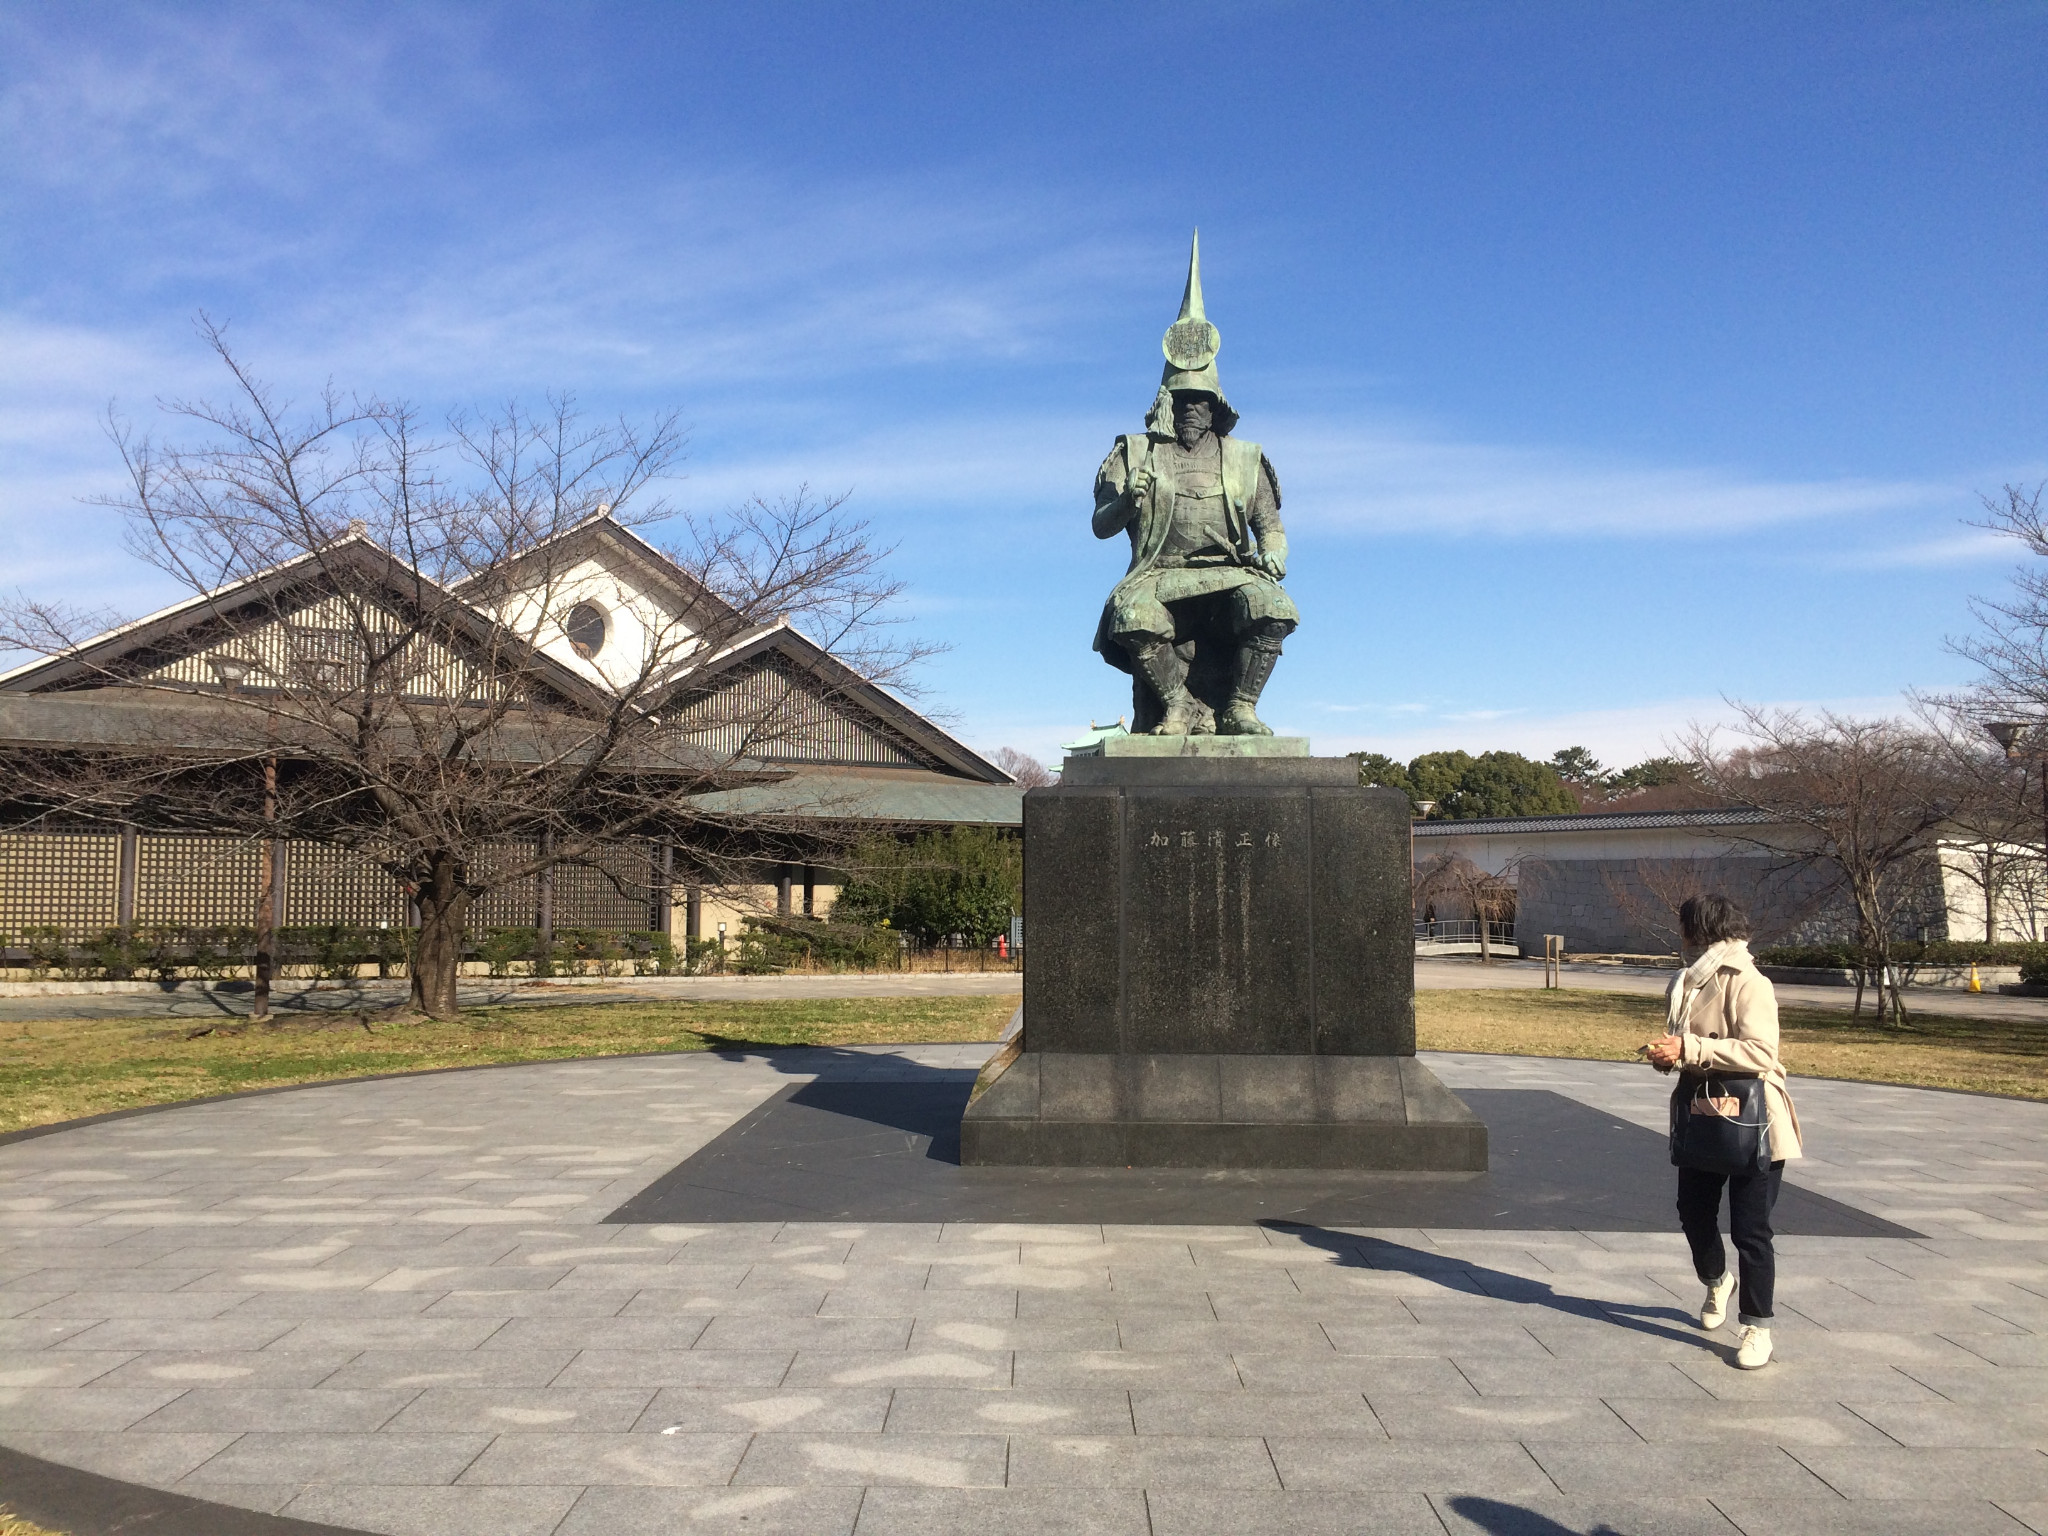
(1731, 1024)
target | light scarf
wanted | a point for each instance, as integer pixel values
(1688, 982)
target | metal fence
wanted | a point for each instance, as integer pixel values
(1435, 932)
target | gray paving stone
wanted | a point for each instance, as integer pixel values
(1534, 1378)
(1374, 1375)
(1476, 1515)
(1661, 1421)
(1328, 1464)
(264, 1498)
(390, 1368)
(2025, 1350)
(277, 1409)
(689, 1303)
(356, 1460)
(131, 1457)
(506, 1304)
(676, 1367)
(70, 1368)
(941, 1410)
(1128, 1461)
(930, 1461)
(1908, 1474)
(679, 1460)
(1061, 1335)
(2008, 1384)
(1002, 1512)
(391, 1333)
(40, 1408)
(1983, 1424)
(292, 1305)
(1413, 1339)
(951, 1366)
(1231, 1512)
(457, 1511)
(504, 1410)
(1437, 1420)
(698, 1410)
(1803, 1379)
(755, 1511)
(173, 1333)
(808, 1333)
(1868, 1517)
(1254, 1413)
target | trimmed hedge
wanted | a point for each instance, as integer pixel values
(330, 951)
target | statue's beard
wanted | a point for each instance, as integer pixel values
(1192, 433)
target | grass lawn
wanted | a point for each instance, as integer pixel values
(1983, 1056)
(57, 1069)
(14, 1525)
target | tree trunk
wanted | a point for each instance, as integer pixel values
(437, 958)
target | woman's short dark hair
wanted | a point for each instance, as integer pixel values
(1711, 918)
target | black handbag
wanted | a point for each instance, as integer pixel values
(1721, 1123)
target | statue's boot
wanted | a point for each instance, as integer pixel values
(1162, 667)
(1254, 666)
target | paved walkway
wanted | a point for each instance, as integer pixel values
(395, 1306)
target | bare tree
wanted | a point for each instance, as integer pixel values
(1998, 801)
(1491, 896)
(388, 618)
(1028, 771)
(1862, 801)
(1649, 892)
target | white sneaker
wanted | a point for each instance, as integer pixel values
(1755, 1349)
(1714, 1310)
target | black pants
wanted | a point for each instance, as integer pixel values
(1750, 1199)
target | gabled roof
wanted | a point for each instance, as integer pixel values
(124, 653)
(845, 685)
(182, 628)
(602, 532)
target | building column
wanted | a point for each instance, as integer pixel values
(810, 891)
(782, 893)
(665, 891)
(126, 872)
(544, 894)
(693, 912)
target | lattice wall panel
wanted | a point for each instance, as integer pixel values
(197, 880)
(65, 879)
(324, 884)
(584, 898)
(513, 904)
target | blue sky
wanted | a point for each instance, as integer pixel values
(1614, 358)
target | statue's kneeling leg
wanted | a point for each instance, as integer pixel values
(1258, 649)
(1166, 672)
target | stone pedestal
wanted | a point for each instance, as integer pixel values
(1220, 972)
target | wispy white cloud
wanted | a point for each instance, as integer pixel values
(1394, 476)
(1973, 547)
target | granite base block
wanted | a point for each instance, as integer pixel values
(1085, 1110)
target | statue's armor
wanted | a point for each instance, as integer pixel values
(1200, 530)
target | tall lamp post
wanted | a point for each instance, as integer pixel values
(2022, 743)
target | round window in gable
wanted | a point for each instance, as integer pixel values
(586, 629)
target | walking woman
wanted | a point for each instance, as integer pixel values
(1722, 1019)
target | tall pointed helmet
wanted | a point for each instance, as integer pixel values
(1191, 344)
